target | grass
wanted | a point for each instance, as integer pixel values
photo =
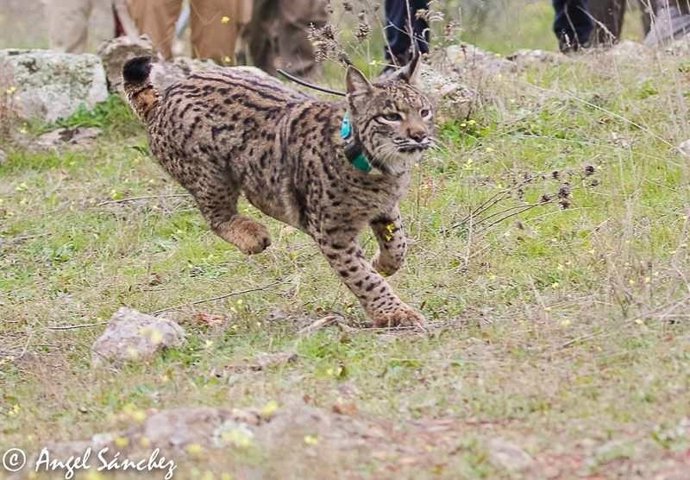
(564, 331)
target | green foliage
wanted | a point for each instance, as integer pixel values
(113, 114)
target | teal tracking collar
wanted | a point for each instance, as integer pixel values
(353, 149)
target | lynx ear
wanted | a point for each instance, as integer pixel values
(357, 83)
(410, 72)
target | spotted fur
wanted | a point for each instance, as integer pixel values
(225, 134)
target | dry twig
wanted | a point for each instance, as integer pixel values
(219, 297)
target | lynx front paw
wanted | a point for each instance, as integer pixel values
(402, 316)
(247, 235)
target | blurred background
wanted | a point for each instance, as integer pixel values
(502, 26)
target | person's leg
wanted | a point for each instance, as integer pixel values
(608, 18)
(398, 20)
(156, 18)
(102, 14)
(420, 27)
(260, 35)
(215, 25)
(573, 24)
(582, 19)
(68, 24)
(296, 18)
(244, 18)
(397, 41)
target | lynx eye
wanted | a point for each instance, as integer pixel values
(425, 113)
(391, 117)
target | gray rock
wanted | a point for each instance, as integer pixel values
(179, 427)
(506, 455)
(528, 58)
(290, 434)
(116, 52)
(468, 58)
(132, 336)
(628, 50)
(52, 85)
(3, 158)
(452, 97)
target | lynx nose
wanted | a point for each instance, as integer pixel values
(418, 136)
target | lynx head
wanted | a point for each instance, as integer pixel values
(392, 118)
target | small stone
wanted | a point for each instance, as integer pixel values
(506, 455)
(3, 158)
(134, 336)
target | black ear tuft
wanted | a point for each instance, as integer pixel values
(357, 83)
(136, 70)
(410, 72)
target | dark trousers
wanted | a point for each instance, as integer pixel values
(399, 15)
(573, 21)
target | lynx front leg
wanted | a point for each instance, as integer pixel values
(371, 289)
(390, 236)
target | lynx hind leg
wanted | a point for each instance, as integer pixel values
(217, 197)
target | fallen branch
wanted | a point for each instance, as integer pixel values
(145, 197)
(74, 327)
(23, 238)
(333, 319)
(219, 297)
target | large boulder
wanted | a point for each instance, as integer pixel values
(533, 58)
(48, 85)
(115, 53)
(469, 59)
(453, 99)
